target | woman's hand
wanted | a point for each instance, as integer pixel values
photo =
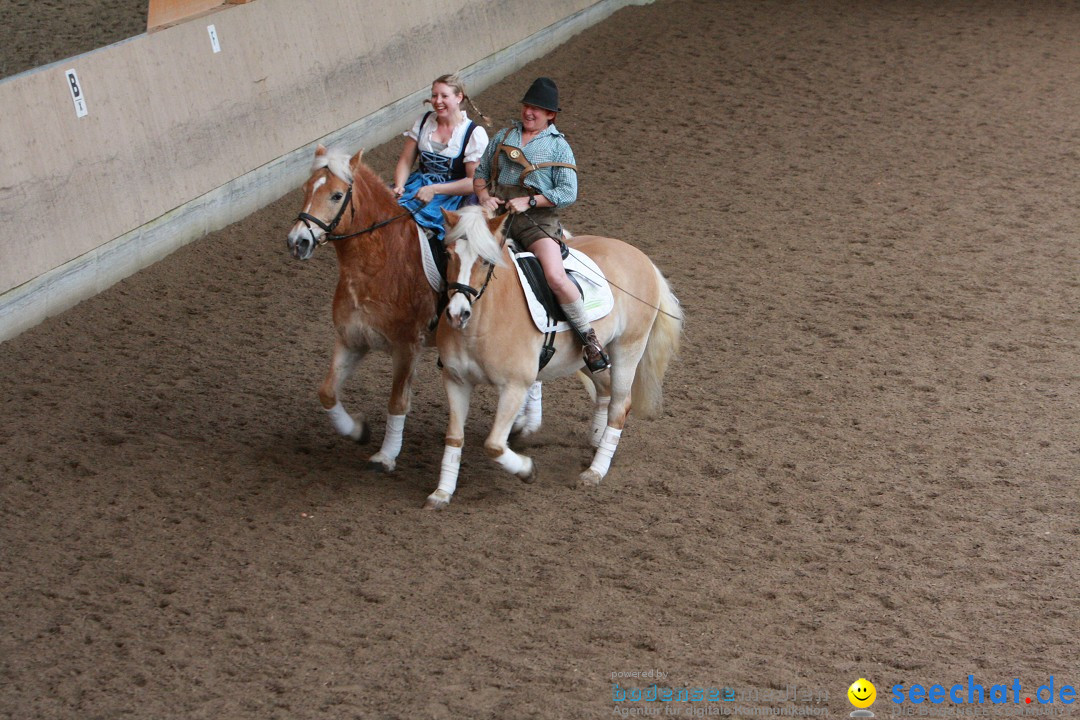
(425, 194)
(491, 202)
(518, 204)
(399, 191)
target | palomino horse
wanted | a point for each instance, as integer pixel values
(488, 337)
(383, 298)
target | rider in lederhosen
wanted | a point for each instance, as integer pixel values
(529, 168)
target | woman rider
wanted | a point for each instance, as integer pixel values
(448, 145)
(535, 175)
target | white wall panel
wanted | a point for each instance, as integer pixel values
(179, 140)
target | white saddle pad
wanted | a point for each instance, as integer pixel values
(598, 299)
(431, 270)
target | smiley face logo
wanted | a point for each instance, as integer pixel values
(862, 693)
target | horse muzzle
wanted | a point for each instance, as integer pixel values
(302, 242)
(458, 312)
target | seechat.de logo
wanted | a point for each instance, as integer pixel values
(976, 693)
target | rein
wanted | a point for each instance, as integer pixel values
(328, 229)
(376, 226)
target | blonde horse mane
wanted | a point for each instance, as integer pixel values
(337, 162)
(472, 228)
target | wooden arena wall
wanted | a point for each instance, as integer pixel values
(189, 128)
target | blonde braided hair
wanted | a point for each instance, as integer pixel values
(454, 82)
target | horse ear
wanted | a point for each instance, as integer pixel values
(321, 150)
(495, 224)
(451, 218)
(354, 164)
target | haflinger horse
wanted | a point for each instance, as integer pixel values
(383, 299)
(486, 336)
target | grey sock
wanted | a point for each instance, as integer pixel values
(575, 313)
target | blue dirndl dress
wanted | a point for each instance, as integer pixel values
(435, 168)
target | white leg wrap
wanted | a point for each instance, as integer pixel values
(451, 463)
(519, 420)
(602, 460)
(391, 444)
(513, 463)
(531, 414)
(341, 420)
(599, 419)
(534, 408)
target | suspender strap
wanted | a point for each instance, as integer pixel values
(517, 156)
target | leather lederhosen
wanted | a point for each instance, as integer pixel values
(527, 227)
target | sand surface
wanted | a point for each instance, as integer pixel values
(39, 32)
(867, 466)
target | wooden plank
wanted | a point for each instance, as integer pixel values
(163, 13)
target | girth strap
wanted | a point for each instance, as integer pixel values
(534, 274)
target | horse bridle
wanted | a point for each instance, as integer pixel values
(328, 229)
(472, 294)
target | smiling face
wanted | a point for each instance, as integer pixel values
(862, 693)
(535, 119)
(445, 99)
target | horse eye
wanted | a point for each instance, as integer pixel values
(337, 196)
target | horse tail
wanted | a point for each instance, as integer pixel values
(647, 393)
(588, 384)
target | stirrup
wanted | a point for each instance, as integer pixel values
(595, 357)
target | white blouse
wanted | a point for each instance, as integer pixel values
(477, 142)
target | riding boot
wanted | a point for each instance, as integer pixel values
(595, 357)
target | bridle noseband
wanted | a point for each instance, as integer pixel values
(472, 294)
(307, 219)
(328, 229)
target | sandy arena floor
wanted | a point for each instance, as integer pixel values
(38, 32)
(867, 466)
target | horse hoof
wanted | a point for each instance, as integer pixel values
(361, 433)
(437, 500)
(529, 477)
(589, 478)
(381, 463)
